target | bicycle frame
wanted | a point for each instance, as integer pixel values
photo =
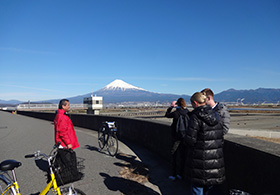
(13, 186)
(109, 130)
(106, 133)
(51, 184)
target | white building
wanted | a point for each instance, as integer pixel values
(93, 104)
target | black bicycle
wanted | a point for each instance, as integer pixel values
(107, 136)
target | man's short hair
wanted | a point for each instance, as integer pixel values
(62, 102)
(207, 92)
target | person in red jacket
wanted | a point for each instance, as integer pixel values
(64, 129)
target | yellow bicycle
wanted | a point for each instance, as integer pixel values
(10, 186)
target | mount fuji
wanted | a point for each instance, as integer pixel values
(119, 91)
(118, 84)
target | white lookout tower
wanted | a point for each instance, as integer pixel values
(93, 104)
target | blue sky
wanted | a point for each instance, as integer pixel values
(55, 49)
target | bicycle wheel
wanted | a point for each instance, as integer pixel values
(3, 186)
(112, 145)
(73, 191)
(78, 191)
(101, 138)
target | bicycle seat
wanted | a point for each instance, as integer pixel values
(8, 165)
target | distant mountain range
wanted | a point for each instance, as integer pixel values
(9, 102)
(258, 96)
(119, 91)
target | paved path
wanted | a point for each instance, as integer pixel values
(21, 135)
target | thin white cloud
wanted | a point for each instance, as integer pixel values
(25, 50)
(270, 72)
(15, 95)
(192, 79)
(178, 78)
(27, 96)
(25, 87)
(262, 71)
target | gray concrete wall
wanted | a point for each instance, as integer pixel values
(251, 165)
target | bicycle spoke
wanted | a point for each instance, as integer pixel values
(112, 145)
(3, 186)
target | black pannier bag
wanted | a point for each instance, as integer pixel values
(66, 167)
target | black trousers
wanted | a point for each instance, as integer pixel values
(178, 153)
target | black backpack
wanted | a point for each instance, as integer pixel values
(65, 167)
(182, 126)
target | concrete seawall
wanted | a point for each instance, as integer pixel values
(251, 165)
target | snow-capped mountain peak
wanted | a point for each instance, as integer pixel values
(120, 85)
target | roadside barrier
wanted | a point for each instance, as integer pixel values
(251, 165)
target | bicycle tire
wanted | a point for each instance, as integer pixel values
(75, 191)
(3, 185)
(79, 192)
(112, 144)
(101, 138)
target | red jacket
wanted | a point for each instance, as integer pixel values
(64, 130)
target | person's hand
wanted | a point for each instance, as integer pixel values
(173, 104)
(69, 146)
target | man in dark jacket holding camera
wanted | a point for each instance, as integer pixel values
(178, 149)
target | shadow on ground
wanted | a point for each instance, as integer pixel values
(158, 170)
(93, 148)
(42, 165)
(126, 186)
(136, 174)
(132, 175)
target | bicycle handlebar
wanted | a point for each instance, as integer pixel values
(38, 153)
(56, 145)
(29, 156)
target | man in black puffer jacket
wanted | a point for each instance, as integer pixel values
(205, 138)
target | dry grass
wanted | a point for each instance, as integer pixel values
(134, 170)
(129, 173)
(254, 111)
(275, 140)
